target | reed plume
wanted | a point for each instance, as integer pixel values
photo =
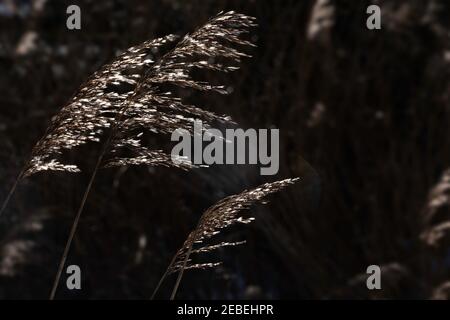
(225, 213)
(90, 111)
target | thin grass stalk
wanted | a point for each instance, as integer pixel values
(75, 225)
(180, 274)
(11, 192)
(163, 277)
(83, 201)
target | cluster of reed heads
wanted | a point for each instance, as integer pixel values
(136, 94)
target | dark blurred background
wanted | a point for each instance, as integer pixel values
(363, 118)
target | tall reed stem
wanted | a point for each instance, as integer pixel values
(180, 274)
(85, 196)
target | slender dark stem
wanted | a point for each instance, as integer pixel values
(180, 274)
(164, 276)
(11, 192)
(76, 220)
(106, 146)
(111, 136)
